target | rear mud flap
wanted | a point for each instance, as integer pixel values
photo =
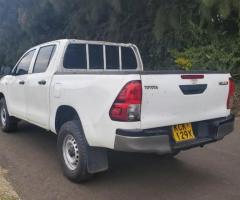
(97, 160)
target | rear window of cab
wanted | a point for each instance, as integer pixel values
(99, 57)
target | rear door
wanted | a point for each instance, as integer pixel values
(37, 87)
(170, 99)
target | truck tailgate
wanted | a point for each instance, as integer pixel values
(170, 99)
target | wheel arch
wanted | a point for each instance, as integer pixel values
(65, 113)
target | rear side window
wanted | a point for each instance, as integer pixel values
(24, 65)
(43, 59)
(96, 56)
(128, 58)
(75, 57)
(112, 57)
(82, 56)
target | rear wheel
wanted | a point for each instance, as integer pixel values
(73, 151)
(8, 123)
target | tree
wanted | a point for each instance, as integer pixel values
(158, 27)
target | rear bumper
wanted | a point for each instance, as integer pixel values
(159, 140)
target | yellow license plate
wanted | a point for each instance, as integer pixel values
(183, 132)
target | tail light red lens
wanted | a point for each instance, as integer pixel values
(230, 100)
(127, 106)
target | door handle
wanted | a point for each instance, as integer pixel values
(21, 82)
(42, 82)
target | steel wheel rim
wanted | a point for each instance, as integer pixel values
(3, 116)
(70, 152)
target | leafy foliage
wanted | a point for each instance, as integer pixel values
(236, 109)
(206, 32)
(221, 55)
(184, 63)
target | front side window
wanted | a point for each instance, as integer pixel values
(43, 59)
(128, 58)
(75, 57)
(24, 65)
(96, 56)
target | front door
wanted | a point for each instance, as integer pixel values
(16, 97)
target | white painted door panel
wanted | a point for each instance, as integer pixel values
(38, 99)
(16, 98)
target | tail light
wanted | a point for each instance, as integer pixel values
(230, 100)
(127, 106)
(192, 76)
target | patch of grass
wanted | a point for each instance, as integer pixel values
(6, 190)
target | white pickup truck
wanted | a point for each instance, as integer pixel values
(95, 96)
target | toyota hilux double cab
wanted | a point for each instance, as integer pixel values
(96, 96)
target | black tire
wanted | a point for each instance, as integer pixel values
(8, 123)
(78, 173)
